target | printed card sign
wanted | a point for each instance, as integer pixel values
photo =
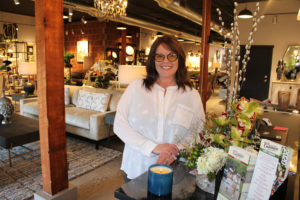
(237, 174)
(239, 154)
(270, 171)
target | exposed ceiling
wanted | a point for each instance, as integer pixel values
(143, 10)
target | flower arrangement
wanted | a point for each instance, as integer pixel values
(211, 161)
(235, 127)
(102, 81)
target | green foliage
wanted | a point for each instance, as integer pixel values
(67, 59)
(102, 81)
(192, 155)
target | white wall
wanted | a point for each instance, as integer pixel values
(286, 32)
(26, 25)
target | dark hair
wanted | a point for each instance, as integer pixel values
(181, 75)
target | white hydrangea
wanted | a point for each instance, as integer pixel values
(212, 160)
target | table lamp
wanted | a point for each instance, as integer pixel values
(88, 62)
(27, 68)
(128, 73)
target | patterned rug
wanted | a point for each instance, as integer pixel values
(23, 179)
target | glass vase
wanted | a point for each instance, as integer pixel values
(204, 184)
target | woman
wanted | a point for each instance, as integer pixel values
(158, 114)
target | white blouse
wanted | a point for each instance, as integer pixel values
(146, 118)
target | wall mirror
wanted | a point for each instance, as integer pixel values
(291, 58)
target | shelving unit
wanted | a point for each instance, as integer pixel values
(15, 52)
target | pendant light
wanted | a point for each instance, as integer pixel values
(245, 14)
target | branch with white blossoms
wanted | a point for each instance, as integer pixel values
(232, 57)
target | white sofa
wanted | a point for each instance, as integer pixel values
(80, 121)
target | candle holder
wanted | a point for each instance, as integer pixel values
(160, 182)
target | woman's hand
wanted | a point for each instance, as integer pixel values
(165, 158)
(167, 153)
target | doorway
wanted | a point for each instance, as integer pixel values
(258, 72)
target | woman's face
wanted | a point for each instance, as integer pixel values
(166, 69)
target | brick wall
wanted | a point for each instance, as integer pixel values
(100, 35)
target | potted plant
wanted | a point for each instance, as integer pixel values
(67, 60)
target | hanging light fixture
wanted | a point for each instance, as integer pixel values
(111, 8)
(128, 35)
(245, 14)
(159, 34)
(121, 27)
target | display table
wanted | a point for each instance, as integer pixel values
(184, 185)
(21, 131)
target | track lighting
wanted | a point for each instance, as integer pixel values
(17, 2)
(70, 11)
(83, 20)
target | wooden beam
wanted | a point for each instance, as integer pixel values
(206, 15)
(50, 75)
(123, 50)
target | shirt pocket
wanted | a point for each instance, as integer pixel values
(183, 116)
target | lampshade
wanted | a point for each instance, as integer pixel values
(88, 61)
(27, 68)
(245, 14)
(128, 73)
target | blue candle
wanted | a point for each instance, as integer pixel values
(160, 179)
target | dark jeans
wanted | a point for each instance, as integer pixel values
(126, 179)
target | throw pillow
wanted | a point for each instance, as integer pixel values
(67, 96)
(93, 101)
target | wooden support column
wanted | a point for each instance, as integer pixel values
(123, 51)
(50, 75)
(206, 15)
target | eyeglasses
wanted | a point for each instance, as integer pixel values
(171, 57)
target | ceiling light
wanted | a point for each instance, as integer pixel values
(81, 31)
(159, 34)
(65, 17)
(83, 20)
(197, 43)
(245, 14)
(70, 18)
(70, 11)
(128, 35)
(180, 39)
(17, 2)
(298, 16)
(121, 27)
(110, 8)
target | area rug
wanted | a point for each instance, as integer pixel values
(24, 178)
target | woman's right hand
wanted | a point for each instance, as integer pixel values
(170, 149)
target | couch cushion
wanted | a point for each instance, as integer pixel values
(114, 100)
(67, 96)
(93, 101)
(79, 117)
(31, 108)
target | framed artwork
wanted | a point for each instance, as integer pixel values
(82, 50)
(29, 50)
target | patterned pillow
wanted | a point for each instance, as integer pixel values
(67, 96)
(93, 101)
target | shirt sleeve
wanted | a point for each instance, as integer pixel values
(123, 129)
